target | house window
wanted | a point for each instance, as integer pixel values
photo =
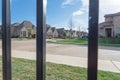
(117, 32)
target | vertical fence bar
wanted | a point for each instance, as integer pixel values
(41, 39)
(93, 39)
(6, 40)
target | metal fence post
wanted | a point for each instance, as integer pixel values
(93, 39)
(41, 39)
(6, 40)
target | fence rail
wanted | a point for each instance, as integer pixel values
(6, 40)
(93, 39)
(41, 43)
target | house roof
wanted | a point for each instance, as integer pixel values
(111, 15)
(47, 27)
(105, 24)
(15, 24)
(60, 30)
(14, 27)
(27, 24)
(53, 29)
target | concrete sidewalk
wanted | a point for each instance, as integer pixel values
(105, 65)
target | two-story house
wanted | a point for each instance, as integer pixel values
(55, 32)
(25, 29)
(51, 32)
(111, 26)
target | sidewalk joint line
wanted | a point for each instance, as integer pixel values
(115, 65)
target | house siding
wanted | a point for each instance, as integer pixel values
(114, 25)
(55, 34)
(49, 33)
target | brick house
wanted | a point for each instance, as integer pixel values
(55, 32)
(111, 26)
(67, 33)
(61, 33)
(49, 33)
(25, 29)
(74, 34)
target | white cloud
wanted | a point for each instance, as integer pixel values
(67, 2)
(106, 7)
(83, 9)
(78, 13)
(81, 15)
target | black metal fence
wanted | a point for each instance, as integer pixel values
(41, 43)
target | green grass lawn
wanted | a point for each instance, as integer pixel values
(102, 41)
(25, 70)
(69, 41)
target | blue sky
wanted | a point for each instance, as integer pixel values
(59, 12)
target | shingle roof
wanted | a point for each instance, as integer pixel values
(47, 27)
(14, 27)
(60, 30)
(15, 24)
(17, 27)
(53, 29)
(111, 15)
(27, 24)
(104, 24)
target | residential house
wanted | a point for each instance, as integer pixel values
(49, 32)
(111, 26)
(61, 33)
(25, 29)
(67, 33)
(13, 28)
(82, 34)
(55, 32)
(74, 34)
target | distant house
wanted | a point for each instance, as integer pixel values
(13, 28)
(67, 33)
(74, 34)
(111, 26)
(61, 33)
(49, 32)
(55, 32)
(25, 29)
(82, 34)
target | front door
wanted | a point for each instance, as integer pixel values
(109, 32)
